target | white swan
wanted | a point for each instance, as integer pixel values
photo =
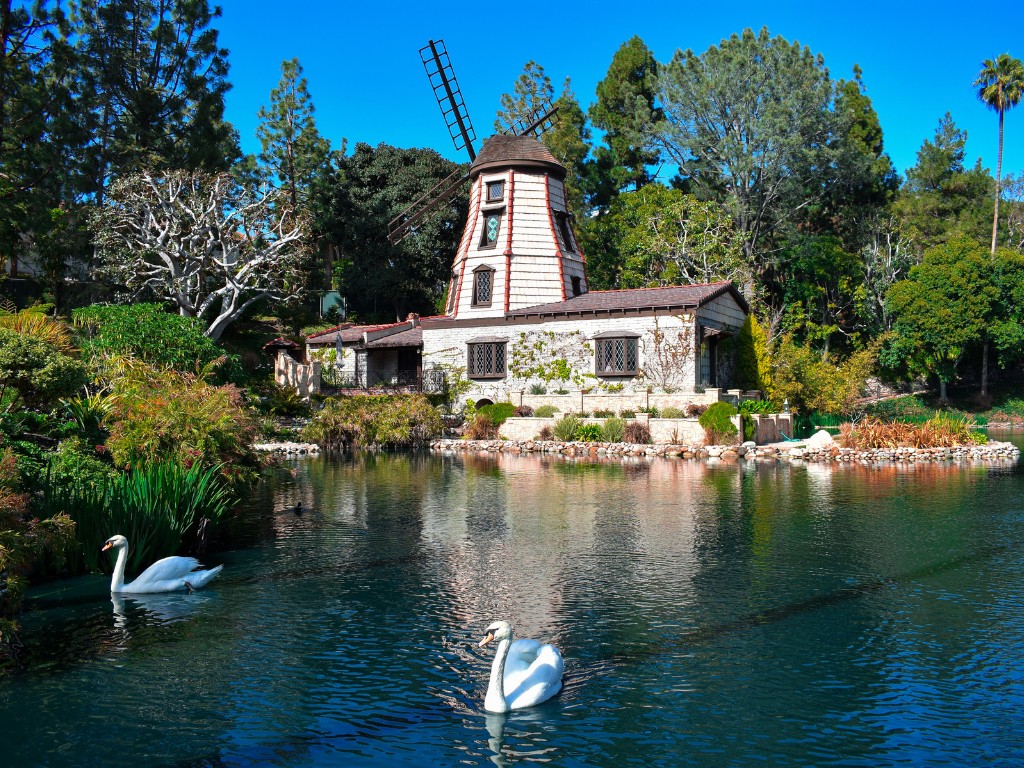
(167, 575)
(524, 673)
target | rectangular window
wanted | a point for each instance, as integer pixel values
(495, 191)
(564, 231)
(616, 357)
(486, 360)
(483, 283)
(492, 226)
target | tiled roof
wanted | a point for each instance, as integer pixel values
(349, 333)
(637, 298)
(504, 150)
(411, 338)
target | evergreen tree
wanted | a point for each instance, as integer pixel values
(293, 150)
(154, 82)
(941, 196)
(626, 111)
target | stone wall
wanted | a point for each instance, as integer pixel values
(289, 372)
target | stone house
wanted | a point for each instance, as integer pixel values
(521, 323)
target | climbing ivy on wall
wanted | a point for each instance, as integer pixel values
(551, 357)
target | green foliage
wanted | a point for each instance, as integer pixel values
(903, 408)
(154, 84)
(551, 357)
(374, 422)
(497, 412)
(637, 433)
(545, 411)
(352, 205)
(626, 112)
(90, 412)
(753, 360)
(813, 383)
(613, 430)
(657, 236)
(590, 433)
(293, 150)
(156, 506)
(33, 374)
(941, 197)
(823, 292)
(163, 415)
(147, 332)
(717, 423)
(538, 389)
(565, 428)
(671, 412)
(943, 306)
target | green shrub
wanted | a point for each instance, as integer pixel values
(566, 427)
(538, 389)
(614, 430)
(497, 412)
(652, 411)
(636, 432)
(627, 414)
(717, 424)
(147, 332)
(545, 411)
(590, 433)
(375, 422)
(672, 413)
(164, 415)
(34, 374)
(603, 413)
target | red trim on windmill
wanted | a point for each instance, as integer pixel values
(463, 255)
(508, 247)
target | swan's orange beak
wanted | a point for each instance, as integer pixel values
(106, 546)
(487, 638)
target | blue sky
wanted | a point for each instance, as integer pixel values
(365, 76)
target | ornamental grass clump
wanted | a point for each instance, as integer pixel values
(613, 430)
(545, 411)
(565, 428)
(374, 422)
(941, 431)
(717, 424)
(638, 433)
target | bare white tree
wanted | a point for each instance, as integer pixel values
(201, 241)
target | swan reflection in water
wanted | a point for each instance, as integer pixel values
(138, 611)
(526, 732)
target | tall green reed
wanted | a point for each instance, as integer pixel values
(155, 506)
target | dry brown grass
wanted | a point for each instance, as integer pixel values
(939, 432)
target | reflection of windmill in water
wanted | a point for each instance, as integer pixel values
(517, 249)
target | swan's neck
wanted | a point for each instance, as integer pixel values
(117, 580)
(495, 699)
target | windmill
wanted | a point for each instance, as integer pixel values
(442, 79)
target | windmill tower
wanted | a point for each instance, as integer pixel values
(518, 248)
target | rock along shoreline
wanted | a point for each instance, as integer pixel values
(990, 452)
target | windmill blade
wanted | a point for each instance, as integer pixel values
(404, 224)
(449, 98)
(538, 121)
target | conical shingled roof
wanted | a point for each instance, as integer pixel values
(505, 151)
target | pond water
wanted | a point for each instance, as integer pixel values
(709, 616)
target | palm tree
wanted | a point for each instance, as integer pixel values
(1000, 85)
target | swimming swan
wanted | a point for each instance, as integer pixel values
(167, 575)
(524, 673)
